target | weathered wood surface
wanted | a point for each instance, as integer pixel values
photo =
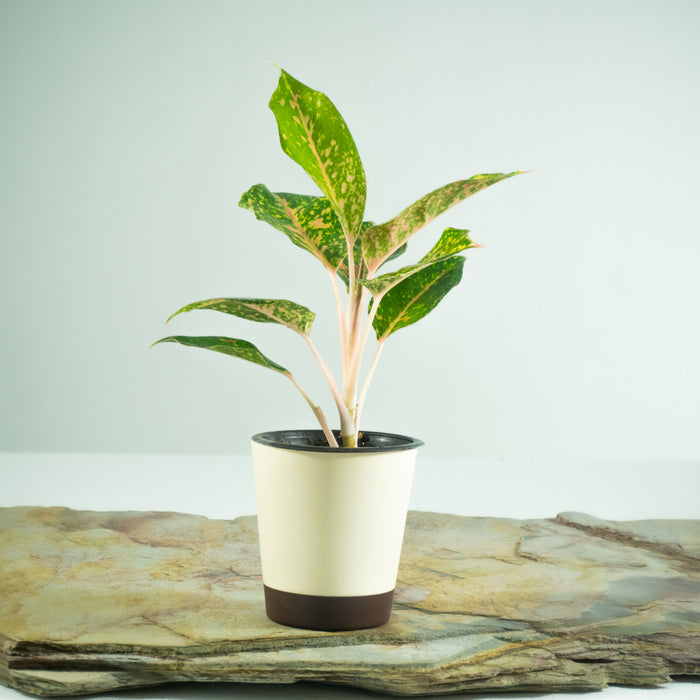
(95, 601)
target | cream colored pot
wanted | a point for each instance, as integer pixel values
(331, 524)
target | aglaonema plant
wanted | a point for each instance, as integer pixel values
(332, 228)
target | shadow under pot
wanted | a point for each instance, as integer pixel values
(331, 522)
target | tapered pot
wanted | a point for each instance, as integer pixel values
(331, 524)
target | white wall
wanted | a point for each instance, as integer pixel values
(129, 129)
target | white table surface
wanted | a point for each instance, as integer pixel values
(222, 487)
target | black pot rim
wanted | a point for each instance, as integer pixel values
(315, 441)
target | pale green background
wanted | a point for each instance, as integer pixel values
(129, 129)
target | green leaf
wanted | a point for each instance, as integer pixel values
(452, 241)
(379, 242)
(416, 296)
(287, 313)
(310, 222)
(313, 133)
(229, 346)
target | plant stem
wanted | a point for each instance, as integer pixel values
(349, 347)
(349, 317)
(357, 359)
(318, 412)
(354, 358)
(352, 282)
(362, 344)
(368, 380)
(342, 323)
(347, 425)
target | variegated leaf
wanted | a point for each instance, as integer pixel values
(310, 222)
(287, 313)
(452, 241)
(313, 133)
(229, 346)
(416, 296)
(379, 242)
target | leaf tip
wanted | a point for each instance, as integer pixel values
(172, 316)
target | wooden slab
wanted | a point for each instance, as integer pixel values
(92, 601)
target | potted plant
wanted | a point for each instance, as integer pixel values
(332, 503)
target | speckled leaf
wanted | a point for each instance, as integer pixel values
(379, 242)
(417, 296)
(452, 241)
(313, 133)
(229, 346)
(287, 313)
(310, 222)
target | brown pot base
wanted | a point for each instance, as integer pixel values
(328, 613)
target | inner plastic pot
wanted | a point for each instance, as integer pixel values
(315, 441)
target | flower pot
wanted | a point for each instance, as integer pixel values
(331, 524)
